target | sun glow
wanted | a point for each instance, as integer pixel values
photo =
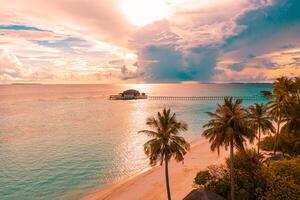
(143, 12)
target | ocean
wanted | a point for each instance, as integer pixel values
(63, 141)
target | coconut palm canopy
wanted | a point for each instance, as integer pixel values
(283, 107)
(259, 118)
(292, 118)
(166, 142)
(260, 121)
(229, 120)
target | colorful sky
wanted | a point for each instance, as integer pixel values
(143, 41)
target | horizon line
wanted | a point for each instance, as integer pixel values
(38, 83)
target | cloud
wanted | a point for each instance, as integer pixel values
(99, 19)
(10, 67)
(79, 47)
(169, 64)
(227, 44)
(20, 27)
(224, 40)
(186, 46)
(28, 34)
(201, 62)
(193, 24)
(269, 36)
(162, 64)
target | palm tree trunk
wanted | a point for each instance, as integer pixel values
(231, 170)
(167, 178)
(258, 144)
(277, 134)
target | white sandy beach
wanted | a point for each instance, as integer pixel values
(150, 185)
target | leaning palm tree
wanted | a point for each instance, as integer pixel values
(228, 127)
(166, 142)
(260, 121)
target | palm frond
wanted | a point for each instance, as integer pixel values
(165, 142)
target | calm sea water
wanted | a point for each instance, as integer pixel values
(61, 141)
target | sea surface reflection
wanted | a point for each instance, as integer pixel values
(61, 141)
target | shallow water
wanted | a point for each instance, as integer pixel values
(61, 141)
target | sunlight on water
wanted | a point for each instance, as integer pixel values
(61, 141)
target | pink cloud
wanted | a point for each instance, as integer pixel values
(10, 67)
(106, 36)
(30, 35)
(99, 19)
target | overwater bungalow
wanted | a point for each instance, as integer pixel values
(128, 95)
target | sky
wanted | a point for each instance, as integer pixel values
(143, 41)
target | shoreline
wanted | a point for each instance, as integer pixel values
(150, 183)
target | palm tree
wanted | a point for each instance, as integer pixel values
(282, 88)
(259, 120)
(228, 127)
(276, 111)
(297, 87)
(292, 118)
(165, 142)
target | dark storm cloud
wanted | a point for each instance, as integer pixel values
(167, 64)
(237, 66)
(265, 21)
(266, 29)
(201, 61)
(163, 64)
(263, 30)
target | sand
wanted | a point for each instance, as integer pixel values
(150, 185)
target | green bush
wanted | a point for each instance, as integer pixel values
(215, 179)
(246, 162)
(287, 168)
(290, 144)
(202, 178)
(220, 186)
(253, 180)
(267, 143)
(250, 180)
(281, 188)
(287, 143)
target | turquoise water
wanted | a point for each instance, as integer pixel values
(62, 141)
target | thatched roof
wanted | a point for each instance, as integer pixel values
(131, 92)
(201, 194)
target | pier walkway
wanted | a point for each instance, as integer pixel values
(204, 98)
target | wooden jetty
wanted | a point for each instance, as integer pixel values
(204, 98)
(132, 94)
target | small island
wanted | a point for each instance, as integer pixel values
(266, 94)
(128, 95)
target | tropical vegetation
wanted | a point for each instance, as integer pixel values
(249, 174)
(254, 179)
(229, 127)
